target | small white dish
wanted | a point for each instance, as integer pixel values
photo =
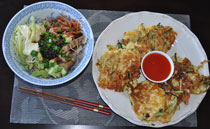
(162, 66)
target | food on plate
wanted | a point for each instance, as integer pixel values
(186, 80)
(120, 65)
(49, 48)
(120, 68)
(151, 103)
(117, 68)
(159, 101)
(147, 100)
(155, 37)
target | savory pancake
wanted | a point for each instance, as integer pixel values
(156, 37)
(186, 80)
(200, 83)
(135, 35)
(171, 105)
(151, 103)
(117, 68)
(161, 37)
(141, 49)
(147, 100)
(179, 84)
(159, 101)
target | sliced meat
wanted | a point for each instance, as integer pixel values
(67, 65)
(75, 44)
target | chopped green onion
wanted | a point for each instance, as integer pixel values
(56, 48)
(158, 24)
(57, 38)
(46, 65)
(51, 64)
(164, 44)
(160, 114)
(58, 69)
(173, 104)
(189, 71)
(168, 30)
(68, 58)
(131, 103)
(148, 34)
(129, 75)
(46, 33)
(55, 20)
(34, 53)
(48, 45)
(178, 91)
(46, 26)
(139, 38)
(44, 74)
(60, 31)
(175, 57)
(36, 73)
(60, 52)
(119, 45)
(61, 35)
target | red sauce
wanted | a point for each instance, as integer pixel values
(156, 67)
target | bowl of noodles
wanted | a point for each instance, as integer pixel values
(48, 43)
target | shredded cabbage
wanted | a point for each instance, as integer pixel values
(26, 39)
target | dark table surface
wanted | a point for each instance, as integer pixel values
(200, 25)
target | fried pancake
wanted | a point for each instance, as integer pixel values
(171, 105)
(157, 37)
(141, 49)
(161, 37)
(186, 80)
(135, 35)
(152, 103)
(117, 68)
(199, 82)
(147, 100)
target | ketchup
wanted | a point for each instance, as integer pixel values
(156, 67)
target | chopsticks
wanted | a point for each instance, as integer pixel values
(66, 100)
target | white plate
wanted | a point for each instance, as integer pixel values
(186, 45)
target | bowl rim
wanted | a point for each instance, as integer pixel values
(49, 82)
(169, 60)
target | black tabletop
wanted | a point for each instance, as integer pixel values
(200, 26)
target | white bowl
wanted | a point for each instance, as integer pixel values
(40, 11)
(169, 60)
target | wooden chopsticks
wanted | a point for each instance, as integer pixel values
(68, 100)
